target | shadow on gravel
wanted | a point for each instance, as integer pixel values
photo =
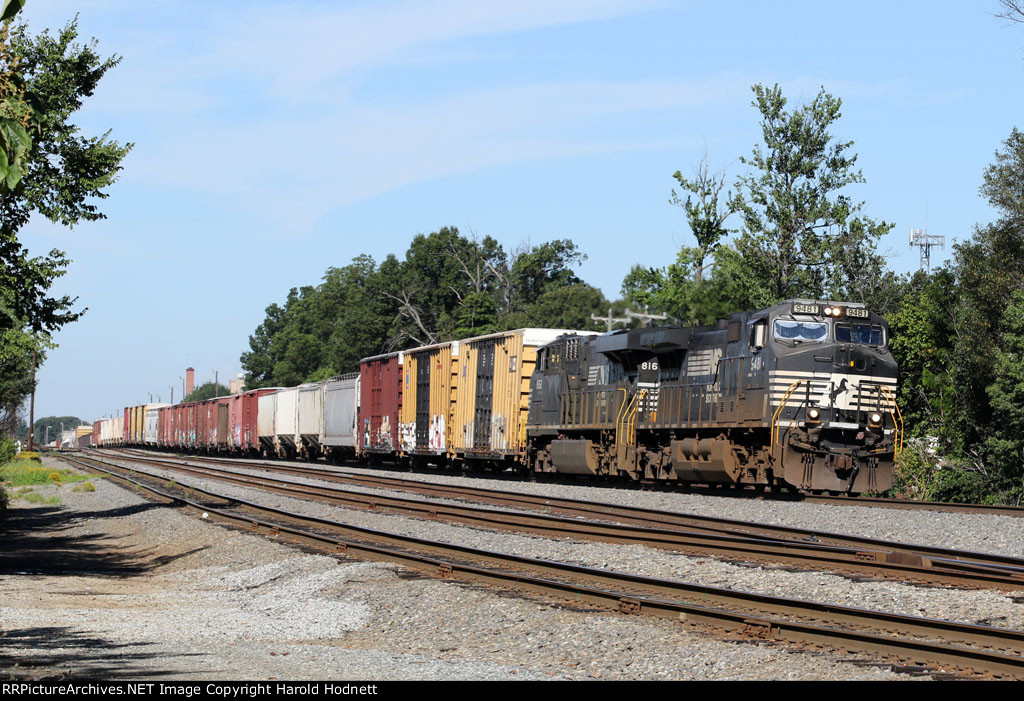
(31, 542)
(51, 654)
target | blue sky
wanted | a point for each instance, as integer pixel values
(274, 139)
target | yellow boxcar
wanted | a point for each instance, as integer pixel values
(492, 395)
(429, 378)
(135, 428)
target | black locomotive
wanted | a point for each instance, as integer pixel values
(800, 395)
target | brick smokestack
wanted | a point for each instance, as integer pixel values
(190, 380)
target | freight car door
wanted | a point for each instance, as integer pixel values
(484, 395)
(222, 424)
(423, 401)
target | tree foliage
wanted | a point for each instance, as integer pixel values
(46, 167)
(958, 335)
(207, 390)
(802, 234)
(448, 286)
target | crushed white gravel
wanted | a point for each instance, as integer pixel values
(187, 599)
(984, 607)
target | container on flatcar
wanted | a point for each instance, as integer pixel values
(429, 380)
(380, 389)
(341, 405)
(492, 396)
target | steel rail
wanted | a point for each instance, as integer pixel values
(996, 652)
(734, 547)
(641, 516)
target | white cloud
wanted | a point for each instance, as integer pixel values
(301, 169)
(295, 50)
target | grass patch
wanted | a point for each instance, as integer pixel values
(33, 497)
(20, 473)
(84, 487)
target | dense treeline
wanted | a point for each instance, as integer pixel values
(786, 227)
(448, 286)
(959, 336)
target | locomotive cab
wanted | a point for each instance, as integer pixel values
(835, 422)
(801, 394)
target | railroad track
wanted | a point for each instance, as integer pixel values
(941, 645)
(710, 536)
(747, 493)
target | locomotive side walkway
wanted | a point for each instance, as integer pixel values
(108, 585)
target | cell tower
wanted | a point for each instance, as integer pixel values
(926, 242)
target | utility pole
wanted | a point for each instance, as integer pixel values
(172, 393)
(32, 405)
(645, 317)
(609, 320)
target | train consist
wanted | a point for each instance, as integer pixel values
(800, 395)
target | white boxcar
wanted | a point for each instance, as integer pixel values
(286, 427)
(150, 430)
(341, 404)
(310, 420)
(266, 410)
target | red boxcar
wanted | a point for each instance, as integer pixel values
(163, 426)
(245, 429)
(95, 434)
(380, 401)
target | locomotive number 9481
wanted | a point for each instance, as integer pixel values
(799, 395)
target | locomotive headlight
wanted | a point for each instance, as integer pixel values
(828, 311)
(813, 414)
(875, 418)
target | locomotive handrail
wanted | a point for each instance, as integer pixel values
(618, 417)
(624, 420)
(631, 429)
(782, 405)
(890, 400)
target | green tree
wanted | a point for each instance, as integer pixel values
(207, 390)
(52, 425)
(448, 286)
(64, 172)
(55, 172)
(802, 236)
(1005, 444)
(16, 380)
(15, 111)
(706, 216)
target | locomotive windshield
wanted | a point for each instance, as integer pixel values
(801, 330)
(859, 333)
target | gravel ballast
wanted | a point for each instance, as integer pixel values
(109, 585)
(985, 607)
